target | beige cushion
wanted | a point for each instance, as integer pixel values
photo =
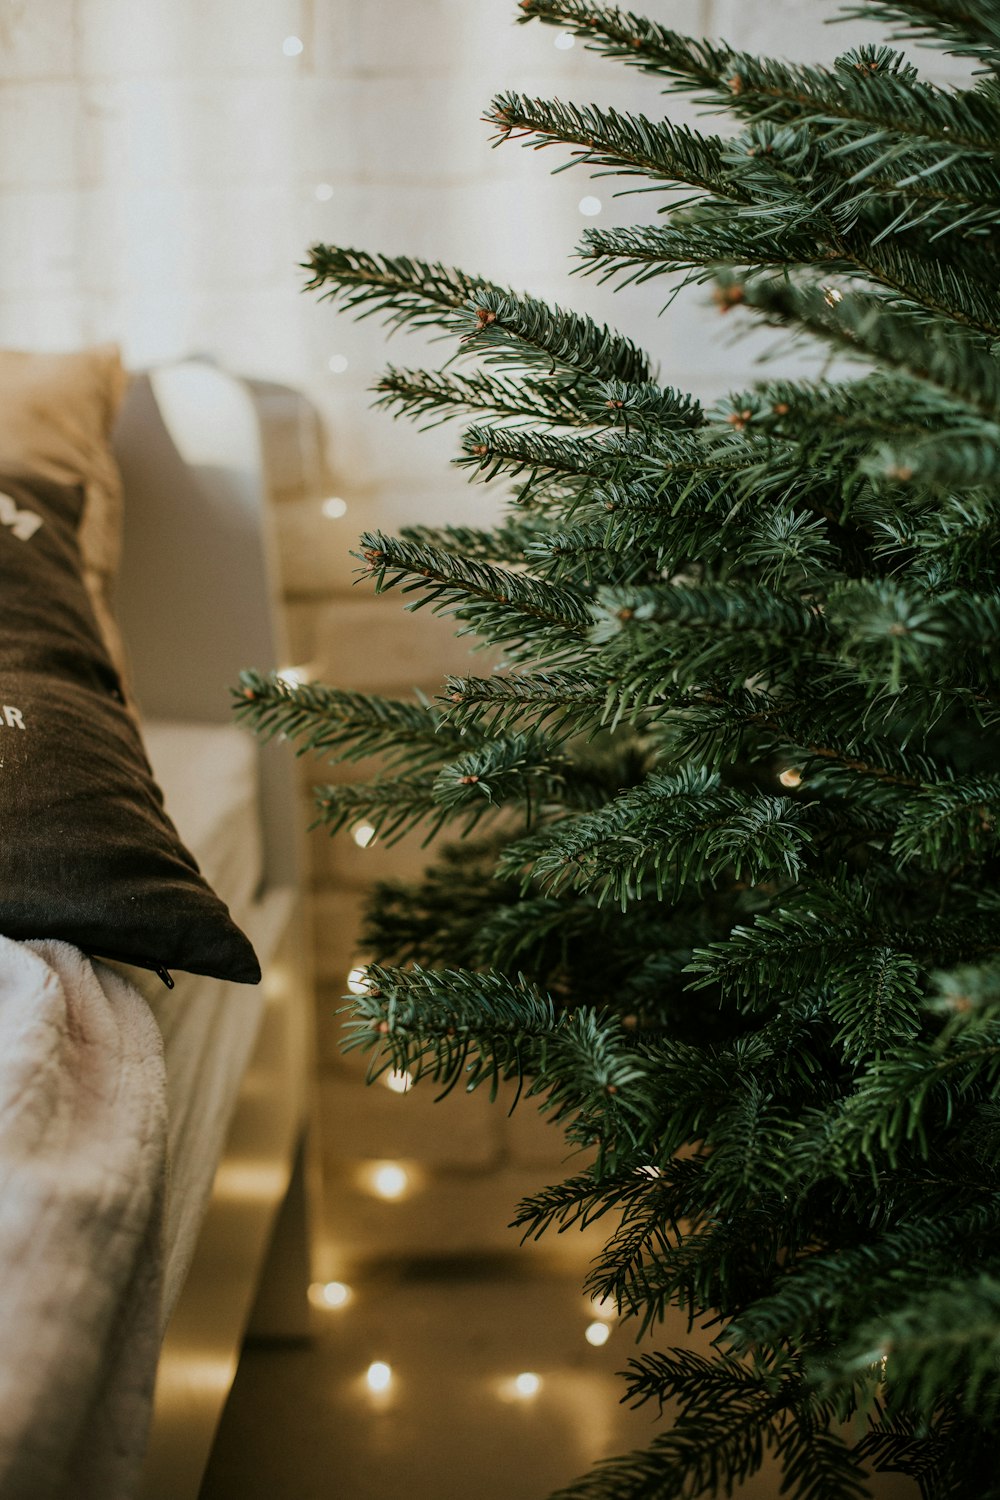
(56, 414)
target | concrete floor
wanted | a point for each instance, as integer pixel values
(302, 1424)
(301, 1421)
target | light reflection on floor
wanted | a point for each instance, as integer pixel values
(304, 1422)
(449, 1419)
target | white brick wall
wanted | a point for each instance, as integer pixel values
(37, 41)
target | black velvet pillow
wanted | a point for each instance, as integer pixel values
(87, 853)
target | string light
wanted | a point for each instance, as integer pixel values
(597, 1334)
(590, 205)
(390, 1180)
(363, 835)
(337, 364)
(832, 295)
(527, 1384)
(329, 1294)
(357, 980)
(565, 42)
(323, 191)
(292, 46)
(334, 507)
(604, 1307)
(397, 1082)
(378, 1375)
(791, 777)
(292, 677)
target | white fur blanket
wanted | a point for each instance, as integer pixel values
(82, 1183)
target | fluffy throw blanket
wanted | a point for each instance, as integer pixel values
(82, 1182)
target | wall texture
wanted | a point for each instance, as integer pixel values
(163, 167)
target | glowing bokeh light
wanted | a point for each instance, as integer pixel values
(329, 1294)
(357, 980)
(604, 1307)
(390, 1180)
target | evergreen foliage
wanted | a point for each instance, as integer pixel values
(731, 915)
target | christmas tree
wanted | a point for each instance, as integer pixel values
(725, 901)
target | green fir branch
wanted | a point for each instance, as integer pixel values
(639, 253)
(442, 394)
(562, 703)
(965, 28)
(392, 808)
(625, 144)
(859, 98)
(546, 456)
(731, 1412)
(453, 1026)
(949, 824)
(518, 767)
(945, 1345)
(951, 363)
(492, 321)
(658, 1197)
(701, 832)
(503, 606)
(814, 1300)
(403, 290)
(346, 726)
(525, 333)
